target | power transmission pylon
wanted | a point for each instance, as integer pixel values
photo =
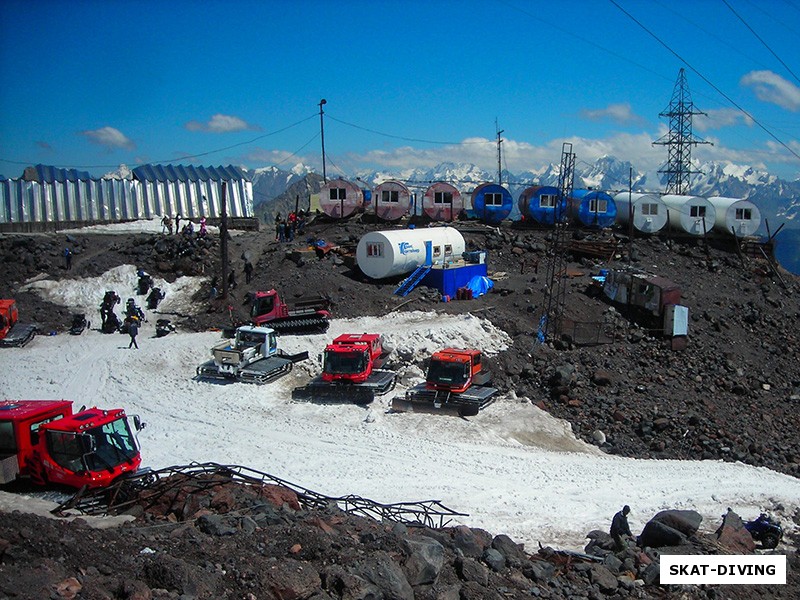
(555, 294)
(679, 140)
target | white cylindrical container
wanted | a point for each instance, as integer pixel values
(383, 254)
(649, 212)
(692, 214)
(736, 216)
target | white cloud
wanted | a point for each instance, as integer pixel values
(771, 87)
(721, 118)
(220, 124)
(620, 113)
(109, 137)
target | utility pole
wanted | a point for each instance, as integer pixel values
(499, 154)
(322, 135)
(223, 241)
(679, 140)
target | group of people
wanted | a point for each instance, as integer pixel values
(188, 228)
(286, 230)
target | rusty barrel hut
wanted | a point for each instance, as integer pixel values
(491, 202)
(647, 211)
(391, 200)
(543, 204)
(691, 214)
(735, 216)
(339, 198)
(593, 208)
(442, 202)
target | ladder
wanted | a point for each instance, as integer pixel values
(410, 282)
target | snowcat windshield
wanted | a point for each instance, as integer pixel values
(343, 363)
(262, 306)
(114, 445)
(448, 373)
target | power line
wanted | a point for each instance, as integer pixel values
(758, 37)
(704, 78)
(400, 137)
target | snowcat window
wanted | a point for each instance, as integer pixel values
(343, 363)
(8, 441)
(114, 445)
(66, 450)
(263, 306)
(248, 339)
(443, 198)
(441, 371)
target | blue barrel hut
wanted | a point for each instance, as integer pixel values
(543, 204)
(491, 202)
(593, 208)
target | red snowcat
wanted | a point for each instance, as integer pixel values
(456, 384)
(13, 333)
(308, 314)
(351, 371)
(44, 442)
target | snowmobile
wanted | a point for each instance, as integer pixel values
(155, 296)
(164, 327)
(79, 323)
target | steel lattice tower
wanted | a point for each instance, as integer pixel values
(679, 140)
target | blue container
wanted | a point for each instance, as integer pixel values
(592, 208)
(491, 203)
(544, 204)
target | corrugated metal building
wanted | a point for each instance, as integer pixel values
(46, 194)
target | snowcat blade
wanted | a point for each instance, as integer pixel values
(466, 404)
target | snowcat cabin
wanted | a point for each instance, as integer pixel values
(453, 369)
(263, 305)
(8, 316)
(19, 432)
(91, 448)
(352, 357)
(251, 338)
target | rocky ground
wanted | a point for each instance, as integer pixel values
(733, 394)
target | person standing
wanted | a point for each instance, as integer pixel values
(620, 528)
(248, 271)
(177, 223)
(67, 259)
(133, 331)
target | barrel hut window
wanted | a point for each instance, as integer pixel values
(437, 251)
(493, 199)
(448, 249)
(443, 198)
(598, 206)
(744, 214)
(338, 193)
(390, 196)
(547, 201)
(375, 249)
(649, 209)
(698, 211)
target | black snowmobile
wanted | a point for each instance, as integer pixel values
(79, 323)
(164, 327)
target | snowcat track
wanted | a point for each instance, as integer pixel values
(304, 325)
(460, 405)
(355, 393)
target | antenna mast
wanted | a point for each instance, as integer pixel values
(679, 140)
(499, 154)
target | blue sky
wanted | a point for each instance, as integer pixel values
(408, 83)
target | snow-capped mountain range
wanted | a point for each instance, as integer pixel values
(778, 200)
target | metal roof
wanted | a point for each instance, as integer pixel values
(49, 174)
(188, 173)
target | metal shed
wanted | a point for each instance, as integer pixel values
(692, 214)
(340, 198)
(736, 216)
(391, 200)
(442, 202)
(648, 211)
(593, 208)
(491, 202)
(543, 203)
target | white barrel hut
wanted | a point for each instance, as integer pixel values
(648, 211)
(383, 254)
(736, 216)
(691, 214)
